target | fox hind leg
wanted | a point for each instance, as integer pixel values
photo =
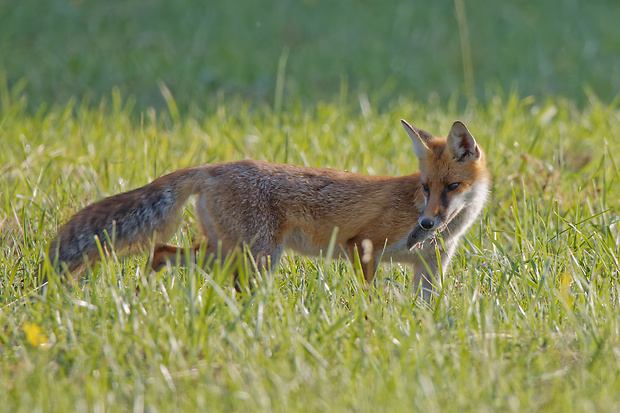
(164, 254)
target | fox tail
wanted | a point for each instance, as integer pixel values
(130, 221)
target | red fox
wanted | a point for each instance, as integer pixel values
(271, 207)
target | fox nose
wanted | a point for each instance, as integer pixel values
(426, 223)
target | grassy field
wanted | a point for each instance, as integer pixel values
(529, 313)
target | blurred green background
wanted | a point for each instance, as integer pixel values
(318, 49)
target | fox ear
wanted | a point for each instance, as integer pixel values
(419, 138)
(462, 143)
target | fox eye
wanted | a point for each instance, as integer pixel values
(425, 188)
(453, 186)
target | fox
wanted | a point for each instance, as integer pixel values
(273, 207)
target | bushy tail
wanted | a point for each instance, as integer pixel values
(129, 220)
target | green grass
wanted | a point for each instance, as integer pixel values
(528, 319)
(102, 97)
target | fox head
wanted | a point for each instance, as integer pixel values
(453, 175)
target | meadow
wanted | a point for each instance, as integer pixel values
(99, 98)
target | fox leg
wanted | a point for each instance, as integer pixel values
(364, 248)
(423, 284)
(427, 271)
(266, 257)
(167, 253)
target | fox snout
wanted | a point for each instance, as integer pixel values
(435, 214)
(426, 228)
(426, 223)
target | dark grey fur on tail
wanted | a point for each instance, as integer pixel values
(130, 220)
